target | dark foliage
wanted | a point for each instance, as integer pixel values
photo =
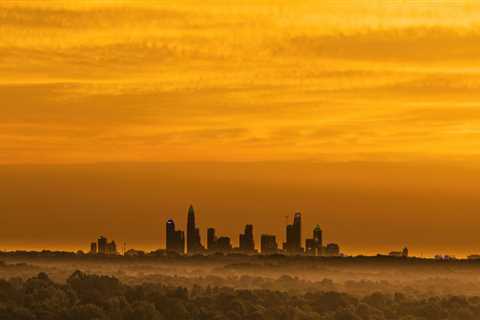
(88, 297)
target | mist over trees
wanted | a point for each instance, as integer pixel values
(89, 296)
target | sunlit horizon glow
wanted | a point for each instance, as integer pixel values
(140, 82)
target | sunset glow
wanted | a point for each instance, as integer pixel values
(359, 113)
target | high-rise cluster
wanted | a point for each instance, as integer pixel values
(103, 247)
(175, 240)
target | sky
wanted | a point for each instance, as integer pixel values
(357, 87)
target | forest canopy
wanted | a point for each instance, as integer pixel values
(89, 296)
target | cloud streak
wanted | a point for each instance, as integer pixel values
(254, 81)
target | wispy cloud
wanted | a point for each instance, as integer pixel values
(270, 80)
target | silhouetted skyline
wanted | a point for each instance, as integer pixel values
(175, 241)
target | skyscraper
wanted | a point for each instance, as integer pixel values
(193, 234)
(175, 238)
(314, 246)
(223, 245)
(102, 245)
(247, 242)
(211, 239)
(191, 231)
(111, 248)
(297, 226)
(293, 244)
(93, 248)
(170, 241)
(318, 240)
(268, 244)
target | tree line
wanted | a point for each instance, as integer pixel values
(89, 296)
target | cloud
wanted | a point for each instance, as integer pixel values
(409, 44)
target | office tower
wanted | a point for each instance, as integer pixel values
(175, 238)
(93, 248)
(111, 248)
(318, 239)
(191, 231)
(314, 246)
(309, 247)
(102, 245)
(268, 244)
(193, 234)
(247, 243)
(297, 226)
(179, 242)
(211, 240)
(332, 250)
(170, 241)
(198, 244)
(223, 245)
(293, 244)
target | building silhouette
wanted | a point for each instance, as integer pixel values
(175, 238)
(399, 254)
(314, 246)
(93, 248)
(104, 247)
(247, 242)
(112, 248)
(293, 244)
(268, 244)
(332, 250)
(211, 240)
(193, 234)
(223, 245)
(190, 241)
(217, 245)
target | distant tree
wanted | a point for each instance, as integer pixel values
(17, 313)
(86, 312)
(346, 314)
(143, 310)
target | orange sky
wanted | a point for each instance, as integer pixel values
(383, 82)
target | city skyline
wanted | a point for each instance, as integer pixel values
(364, 115)
(191, 243)
(176, 241)
(240, 159)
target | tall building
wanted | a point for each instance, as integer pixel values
(297, 226)
(314, 246)
(211, 240)
(223, 245)
(309, 247)
(93, 248)
(170, 238)
(175, 238)
(180, 241)
(112, 248)
(293, 245)
(217, 244)
(193, 234)
(102, 245)
(247, 242)
(268, 244)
